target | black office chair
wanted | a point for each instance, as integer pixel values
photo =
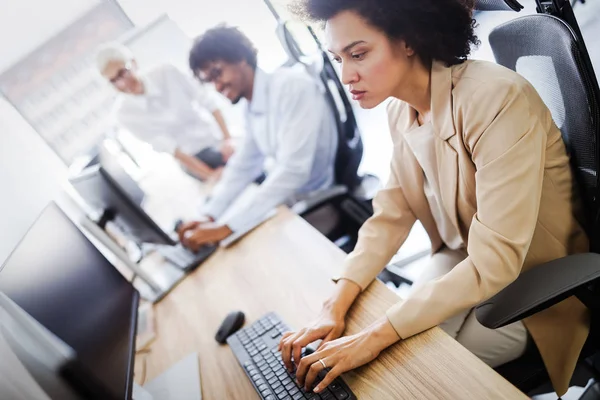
(547, 48)
(337, 212)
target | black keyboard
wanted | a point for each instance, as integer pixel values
(184, 258)
(255, 347)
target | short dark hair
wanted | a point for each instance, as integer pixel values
(440, 30)
(221, 43)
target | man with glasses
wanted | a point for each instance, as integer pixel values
(163, 107)
(288, 123)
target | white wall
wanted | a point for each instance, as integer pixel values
(30, 176)
(195, 17)
(30, 173)
(24, 24)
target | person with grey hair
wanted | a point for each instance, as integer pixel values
(162, 106)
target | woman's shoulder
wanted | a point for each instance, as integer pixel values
(476, 77)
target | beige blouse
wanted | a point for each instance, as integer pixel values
(421, 141)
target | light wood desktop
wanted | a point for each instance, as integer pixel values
(285, 266)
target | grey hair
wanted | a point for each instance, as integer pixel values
(112, 52)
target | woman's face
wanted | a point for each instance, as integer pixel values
(372, 66)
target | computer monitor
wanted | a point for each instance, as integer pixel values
(107, 186)
(62, 281)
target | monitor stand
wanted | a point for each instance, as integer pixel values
(152, 278)
(181, 381)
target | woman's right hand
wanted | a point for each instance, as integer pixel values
(328, 326)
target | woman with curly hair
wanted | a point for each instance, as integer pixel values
(478, 160)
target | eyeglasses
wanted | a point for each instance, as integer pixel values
(211, 76)
(120, 74)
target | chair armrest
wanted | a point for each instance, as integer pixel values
(539, 288)
(317, 198)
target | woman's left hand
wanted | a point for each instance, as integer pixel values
(346, 353)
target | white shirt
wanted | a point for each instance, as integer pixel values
(421, 140)
(289, 121)
(168, 115)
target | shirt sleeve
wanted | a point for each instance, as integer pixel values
(245, 165)
(383, 234)
(139, 127)
(300, 114)
(508, 150)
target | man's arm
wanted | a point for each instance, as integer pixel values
(218, 115)
(198, 168)
(301, 113)
(243, 167)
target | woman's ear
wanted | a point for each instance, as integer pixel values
(408, 50)
(404, 49)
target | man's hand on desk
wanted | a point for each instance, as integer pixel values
(203, 234)
(346, 353)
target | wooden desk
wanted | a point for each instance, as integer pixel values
(284, 266)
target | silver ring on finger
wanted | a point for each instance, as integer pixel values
(323, 363)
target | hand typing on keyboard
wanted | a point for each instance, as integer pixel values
(343, 354)
(203, 234)
(256, 349)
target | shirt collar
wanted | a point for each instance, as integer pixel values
(258, 105)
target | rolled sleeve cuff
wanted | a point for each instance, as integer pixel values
(210, 102)
(394, 315)
(359, 274)
(213, 210)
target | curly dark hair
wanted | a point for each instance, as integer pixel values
(221, 43)
(441, 30)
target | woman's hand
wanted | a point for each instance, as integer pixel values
(329, 325)
(345, 354)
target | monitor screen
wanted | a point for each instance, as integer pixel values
(107, 186)
(59, 278)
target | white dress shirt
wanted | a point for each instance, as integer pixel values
(290, 122)
(168, 115)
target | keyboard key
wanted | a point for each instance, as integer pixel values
(294, 391)
(327, 395)
(341, 394)
(270, 397)
(290, 386)
(279, 389)
(287, 381)
(270, 375)
(274, 382)
(298, 396)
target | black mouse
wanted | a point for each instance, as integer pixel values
(231, 324)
